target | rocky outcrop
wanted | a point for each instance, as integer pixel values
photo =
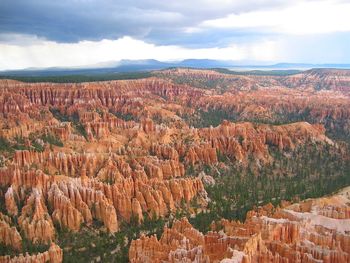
(282, 105)
(13, 176)
(175, 245)
(206, 179)
(64, 213)
(35, 220)
(119, 151)
(321, 79)
(267, 98)
(77, 201)
(239, 141)
(148, 126)
(9, 236)
(53, 255)
(296, 233)
(154, 197)
(74, 203)
(10, 202)
(202, 154)
(317, 79)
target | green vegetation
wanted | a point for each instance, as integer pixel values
(5, 145)
(335, 129)
(37, 146)
(27, 246)
(310, 171)
(279, 72)
(64, 118)
(52, 140)
(211, 117)
(8, 147)
(74, 119)
(80, 129)
(81, 78)
(91, 243)
(221, 84)
(6, 250)
(125, 116)
(91, 77)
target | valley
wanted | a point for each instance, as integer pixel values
(160, 168)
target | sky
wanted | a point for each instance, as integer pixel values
(70, 33)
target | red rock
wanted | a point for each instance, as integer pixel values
(111, 170)
(35, 221)
(53, 255)
(268, 235)
(10, 202)
(9, 235)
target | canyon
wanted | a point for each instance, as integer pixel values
(107, 156)
(315, 230)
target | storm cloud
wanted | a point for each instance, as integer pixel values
(80, 32)
(159, 22)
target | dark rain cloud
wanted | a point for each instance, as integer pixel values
(158, 22)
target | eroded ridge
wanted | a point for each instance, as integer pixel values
(107, 154)
(315, 230)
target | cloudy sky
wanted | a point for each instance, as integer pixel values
(47, 33)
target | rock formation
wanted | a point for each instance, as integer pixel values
(53, 255)
(35, 220)
(9, 235)
(121, 151)
(301, 232)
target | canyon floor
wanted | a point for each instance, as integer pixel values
(184, 165)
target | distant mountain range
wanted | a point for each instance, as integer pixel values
(151, 64)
